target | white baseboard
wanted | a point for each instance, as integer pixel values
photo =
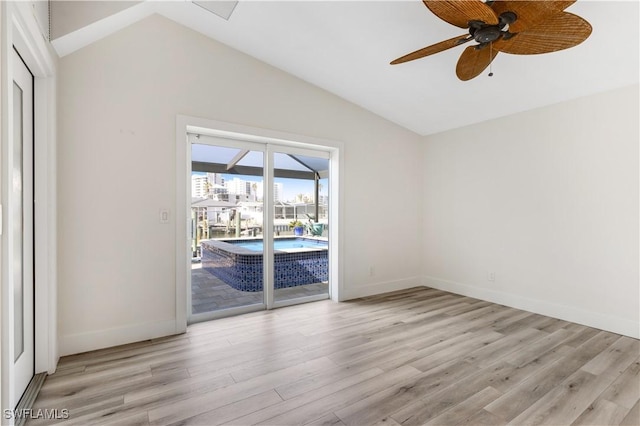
(382, 287)
(542, 307)
(83, 342)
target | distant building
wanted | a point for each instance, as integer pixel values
(304, 198)
(206, 186)
(278, 191)
(199, 186)
(215, 179)
(238, 186)
(213, 185)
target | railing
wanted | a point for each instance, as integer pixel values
(280, 228)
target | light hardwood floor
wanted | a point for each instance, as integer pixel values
(419, 356)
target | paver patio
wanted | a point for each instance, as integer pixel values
(209, 293)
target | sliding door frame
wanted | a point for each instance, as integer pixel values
(206, 316)
(273, 149)
(265, 138)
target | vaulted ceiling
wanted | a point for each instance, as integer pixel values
(345, 48)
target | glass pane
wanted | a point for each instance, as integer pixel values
(314, 163)
(226, 233)
(252, 159)
(18, 219)
(212, 154)
(301, 234)
(288, 162)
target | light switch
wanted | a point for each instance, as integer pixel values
(164, 216)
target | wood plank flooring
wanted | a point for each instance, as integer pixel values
(418, 356)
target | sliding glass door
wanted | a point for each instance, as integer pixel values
(259, 226)
(301, 226)
(226, 227)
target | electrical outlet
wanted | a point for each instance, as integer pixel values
(491, 276)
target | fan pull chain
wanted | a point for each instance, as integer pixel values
(491, 59)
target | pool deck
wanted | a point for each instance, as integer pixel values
(208, 293)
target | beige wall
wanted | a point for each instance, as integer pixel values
(118, 101)
(546, 199)
(69, 16)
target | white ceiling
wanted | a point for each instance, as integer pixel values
(345, 48)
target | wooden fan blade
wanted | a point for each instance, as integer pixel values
(558, 32)
(430, 50)
(460, 12)
(529, 13)
(472, 62)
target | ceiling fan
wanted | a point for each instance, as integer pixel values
(511, 26)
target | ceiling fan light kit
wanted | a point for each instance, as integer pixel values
(509, 26)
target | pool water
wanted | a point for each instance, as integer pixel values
(281, 244)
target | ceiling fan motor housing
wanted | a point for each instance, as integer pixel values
(507, 18)
(484, 33)
(487, 34)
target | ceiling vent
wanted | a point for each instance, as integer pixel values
(222, 8)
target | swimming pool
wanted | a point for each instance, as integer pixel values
(238, 263)
(282, 244)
